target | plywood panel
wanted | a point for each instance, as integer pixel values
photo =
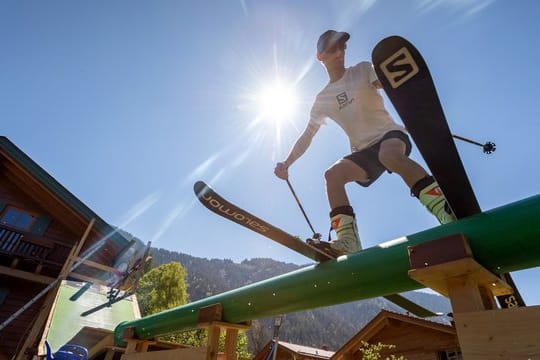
(500, 334)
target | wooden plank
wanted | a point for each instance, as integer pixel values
(226, 325)
(439, 251)
(95, 265)
(436, 276)
(500, 334)
(19, 274)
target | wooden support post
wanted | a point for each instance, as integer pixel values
(210, 317)
(231, 339)
(213, 342)
(144, 344)
(464, 294)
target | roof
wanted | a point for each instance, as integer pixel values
(14, 154)
(306, 350)
(379, 322)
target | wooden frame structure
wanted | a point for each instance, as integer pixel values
(209, 319)
(484, 331)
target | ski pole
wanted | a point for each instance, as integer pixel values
(488, 147)
(315, 234)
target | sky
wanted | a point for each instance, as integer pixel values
(128, 103)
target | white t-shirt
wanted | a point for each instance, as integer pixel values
(356, 105)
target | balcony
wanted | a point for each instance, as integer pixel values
(28, 252)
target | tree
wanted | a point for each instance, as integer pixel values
(163, 288)
(373, 351)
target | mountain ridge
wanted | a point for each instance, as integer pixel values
(330, 326)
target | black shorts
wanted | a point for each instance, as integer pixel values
(368, 158)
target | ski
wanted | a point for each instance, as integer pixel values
(408, 83)
(406, 79)
(218, 205)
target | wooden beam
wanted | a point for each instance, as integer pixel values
(95, 264)
(69, 261)
(26, 275)
(49, 301)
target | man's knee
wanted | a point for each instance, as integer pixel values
(392, 159)
(336, 174)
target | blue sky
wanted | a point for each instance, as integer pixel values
(128, 103)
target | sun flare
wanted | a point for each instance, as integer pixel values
(277, 102)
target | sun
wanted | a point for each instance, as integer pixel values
(277, 102)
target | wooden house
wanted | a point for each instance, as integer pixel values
(45, 234)
(413, 338)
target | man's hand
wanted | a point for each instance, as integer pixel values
(282, 171)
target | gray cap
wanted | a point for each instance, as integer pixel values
(329, 38)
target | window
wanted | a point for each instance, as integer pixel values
(17, 218)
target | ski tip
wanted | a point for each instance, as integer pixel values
(199, 187)
(391, 42)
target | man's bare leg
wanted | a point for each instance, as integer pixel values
(424, 187)
(342, 215)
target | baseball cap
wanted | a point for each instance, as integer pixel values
(329, 38)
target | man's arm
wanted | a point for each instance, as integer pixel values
(298, 149)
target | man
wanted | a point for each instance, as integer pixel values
(352, 100)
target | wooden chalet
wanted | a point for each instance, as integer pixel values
(413, 338)
(45, 233)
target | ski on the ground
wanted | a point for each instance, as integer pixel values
(407, 81)
(217, 204)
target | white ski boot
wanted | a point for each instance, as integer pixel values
(346, 230)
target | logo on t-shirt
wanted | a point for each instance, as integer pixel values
(343, 100)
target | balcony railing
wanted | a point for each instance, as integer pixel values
(30, 248)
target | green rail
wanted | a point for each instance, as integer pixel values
(502, 240)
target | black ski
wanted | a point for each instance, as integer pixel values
(407, 81)
(217, 204)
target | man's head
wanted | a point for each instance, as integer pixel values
(330, 40)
